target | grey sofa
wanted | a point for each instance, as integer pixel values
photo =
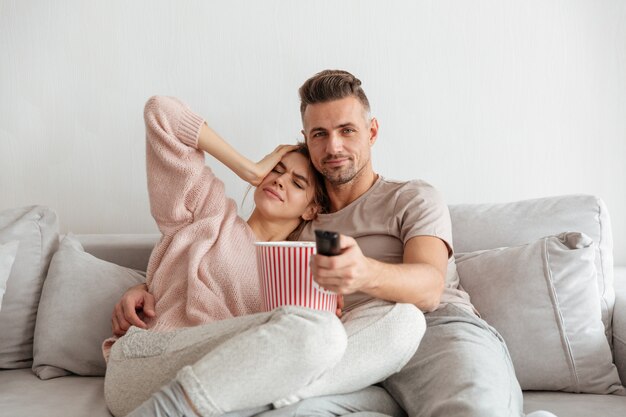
(477, 229)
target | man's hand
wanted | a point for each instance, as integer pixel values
(349, 272)
(340, 304)
(136, 304)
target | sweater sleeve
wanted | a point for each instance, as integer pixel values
(176, 171)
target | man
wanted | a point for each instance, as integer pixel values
(396, 245)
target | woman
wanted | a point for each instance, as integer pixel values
(210, 349)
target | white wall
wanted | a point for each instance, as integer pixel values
(490, 101)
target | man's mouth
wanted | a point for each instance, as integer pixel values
(272, 193)
(335, 162)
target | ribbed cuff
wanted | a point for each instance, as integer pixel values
(197, 394)
(189, 127)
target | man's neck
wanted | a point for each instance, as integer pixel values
(344, 194)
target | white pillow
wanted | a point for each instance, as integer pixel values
(7, 257)
(36, 229)
(75, 309)
(543, 299)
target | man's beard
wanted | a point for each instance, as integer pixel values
(341, 175)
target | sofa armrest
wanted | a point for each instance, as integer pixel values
(619, 323)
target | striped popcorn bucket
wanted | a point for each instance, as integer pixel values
(287, 279)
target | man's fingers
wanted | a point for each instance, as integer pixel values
(346, 241)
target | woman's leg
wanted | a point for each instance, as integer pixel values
(228, 365)
(382, 337)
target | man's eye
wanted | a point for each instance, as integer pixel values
(318, 134)
(348, 130)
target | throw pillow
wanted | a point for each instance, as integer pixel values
(36, 230)
(543, 299)
(75, 311)
(7, 257)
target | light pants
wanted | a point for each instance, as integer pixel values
(278, 357)
(461, 369)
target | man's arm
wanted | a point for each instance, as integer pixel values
(419, 280)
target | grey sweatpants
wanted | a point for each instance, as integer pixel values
(461, 369)
(279, 357)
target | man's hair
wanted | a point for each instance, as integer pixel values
(330, 85)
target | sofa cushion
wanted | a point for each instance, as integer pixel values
(75, 311)
(7, 257)
(487, 226)
(36, 230)
(543, 298)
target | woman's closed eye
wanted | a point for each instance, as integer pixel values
(297, 184)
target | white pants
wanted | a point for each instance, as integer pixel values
(278, 357)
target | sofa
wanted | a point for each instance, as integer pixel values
(540, 271)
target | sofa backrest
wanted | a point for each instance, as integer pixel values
(474, 227)
(488, 226)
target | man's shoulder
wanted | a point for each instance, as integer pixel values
(415, 187)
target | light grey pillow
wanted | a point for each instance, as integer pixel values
(75, 311)
(543, 299)
(7, 257)
(36, 228)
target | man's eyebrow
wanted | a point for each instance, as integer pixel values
(342, 125)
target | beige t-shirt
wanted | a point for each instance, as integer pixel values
(383, 220)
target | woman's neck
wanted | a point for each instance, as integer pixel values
(267, 230)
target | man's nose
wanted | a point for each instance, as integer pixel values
(334, 144)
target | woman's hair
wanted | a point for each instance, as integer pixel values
(320, 196)
(330, 85)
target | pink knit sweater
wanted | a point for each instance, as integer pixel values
(204, 267)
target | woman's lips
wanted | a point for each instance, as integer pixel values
(272, 193)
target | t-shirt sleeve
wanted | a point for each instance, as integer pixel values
(422, 211)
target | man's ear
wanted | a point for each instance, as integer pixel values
(303, 135)
(373, 131)
(311, 212)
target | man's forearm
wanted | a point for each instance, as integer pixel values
(420, 283)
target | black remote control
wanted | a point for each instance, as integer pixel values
(327, 243)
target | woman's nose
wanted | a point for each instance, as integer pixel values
(279, 183)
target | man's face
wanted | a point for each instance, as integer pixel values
(339, 136)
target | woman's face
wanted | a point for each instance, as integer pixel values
(287, 192)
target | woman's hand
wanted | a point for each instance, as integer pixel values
(267, 164)
(136, 300)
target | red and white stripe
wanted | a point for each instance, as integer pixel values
(287, 279)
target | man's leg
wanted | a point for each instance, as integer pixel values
(372, 401)
(461, 368)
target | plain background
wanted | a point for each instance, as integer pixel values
(490, 101)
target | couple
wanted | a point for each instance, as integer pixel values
(204, 346)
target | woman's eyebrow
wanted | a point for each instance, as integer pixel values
(295, 174)
(301, 177)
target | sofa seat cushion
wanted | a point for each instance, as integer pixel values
(575, 405)
(22, 394)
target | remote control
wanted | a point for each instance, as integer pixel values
(327, 243)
